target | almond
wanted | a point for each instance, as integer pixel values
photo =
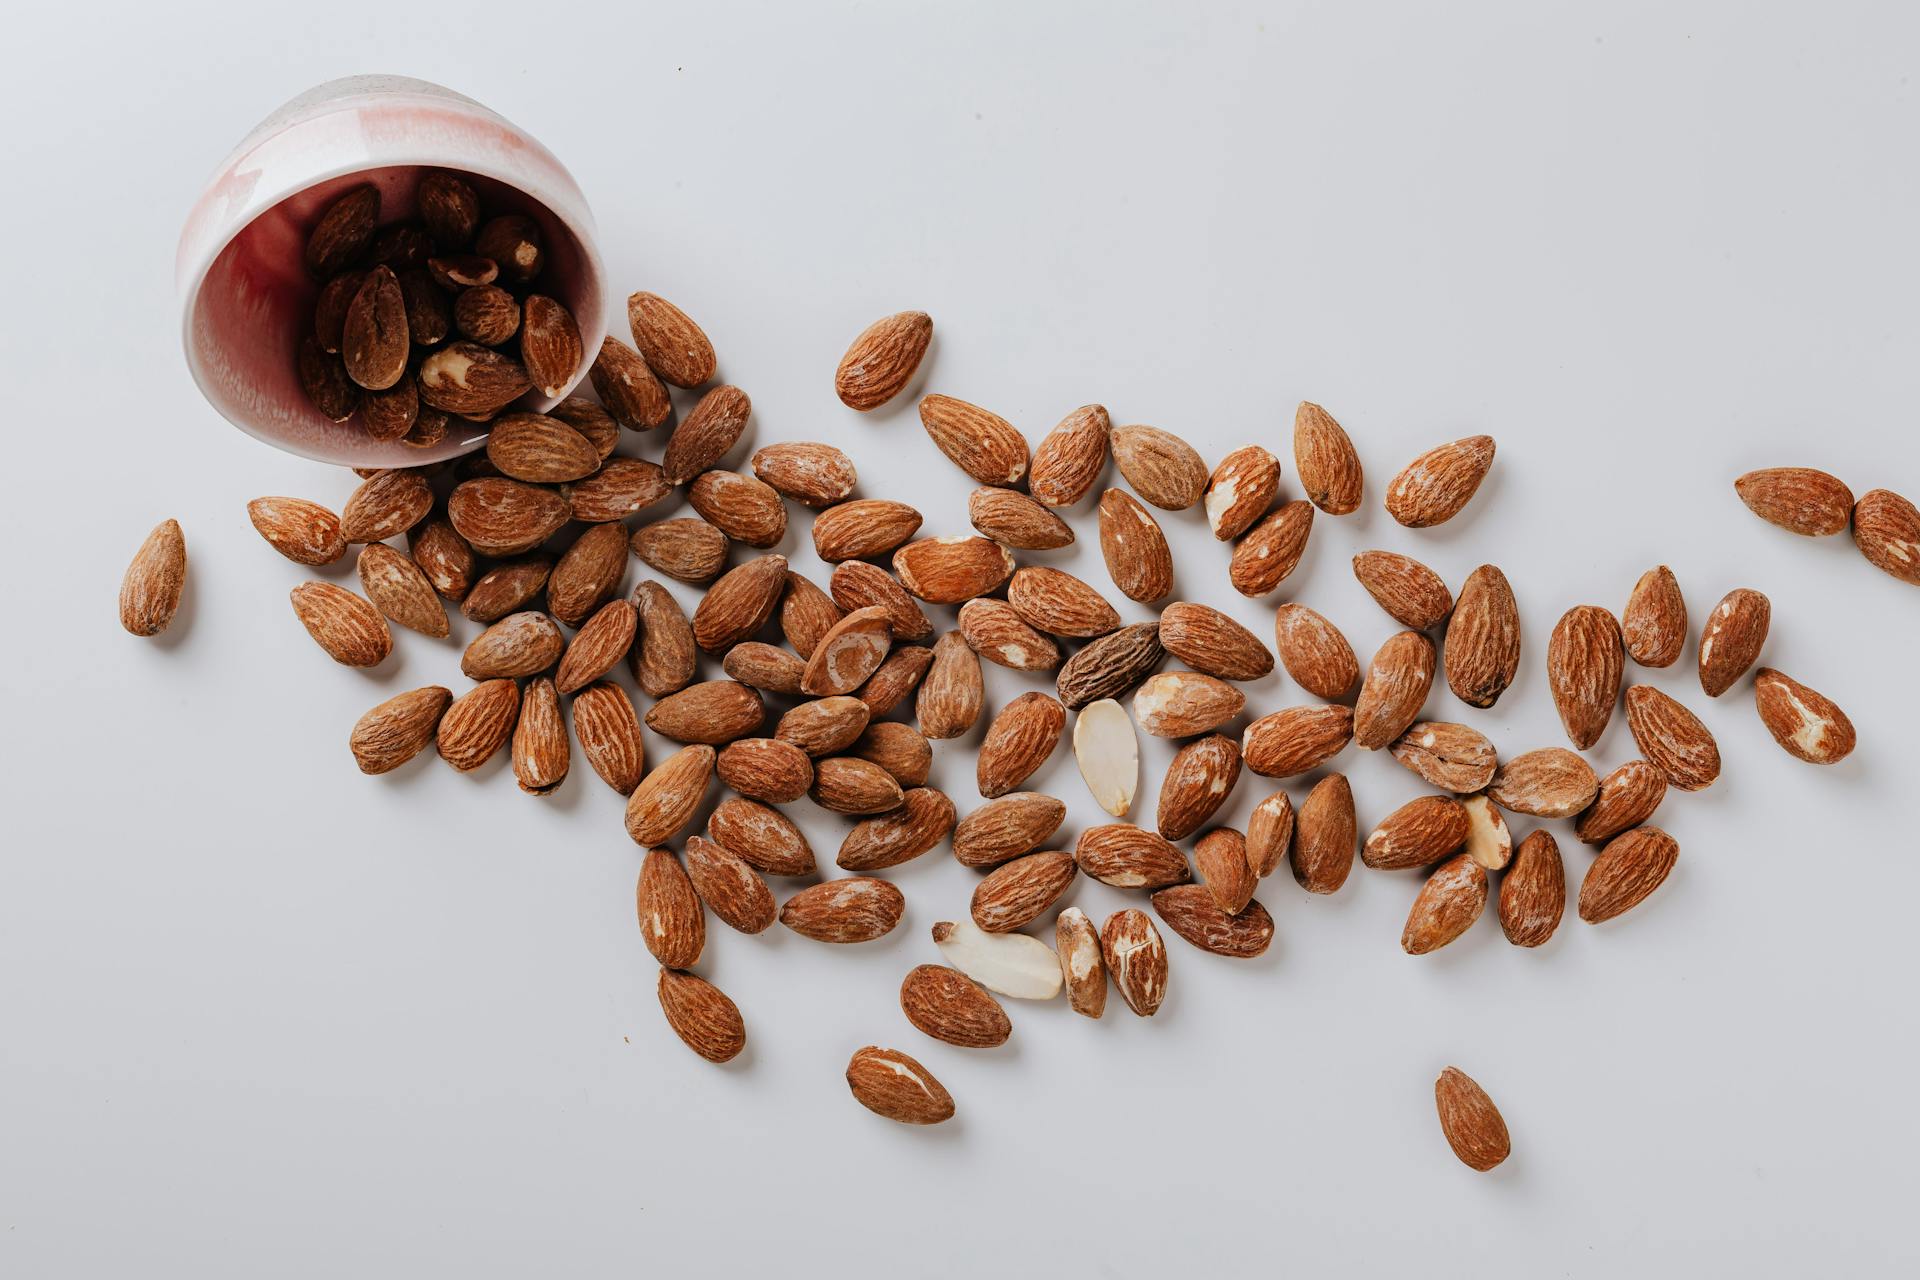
(1448, 904)
(850, 652)
(478, 724)
(855, 584)
(588, 574)
(150, 590)
(399, 590)
(1483, 638)
(807, 613)
(1628, 797)
(1111, 665)
(1434, 487)
(952, 569)
(1418, 834)
(949, 1006)
(444, 556)
(997, 633)
(1550, 783)
(850, 785)
(429, 312)
(351, 631)
(766, 769)
(1533, 893)
(672, 923)
(1296, 739)
(520, 644)
(1324, 457)
(740, 603)
(1221, 857)
(1584, 664)
(324, 380)
(714, 712)
(1470, 1121)
(304, 532)
(1017, 892)
(1672, 738)
(628, 388)
(766, 667)
(330, 314)
(1240, 490)
(1654, 626)
(1199, 779)
(743, 508)
(602, 642)
(707, 434)
(761, 836)
(1002, 829)
(1011, 964)
(1316, 655)
(592, 421)
(1138, 558)
(1068, 462)
(1630, 868)
(1325, 836)
(540, 754)
(896, 679)
(812, 474)
(486, 314)
(863, 529)
(1398, 681)
(506, 588)
(609, 733)
(1108, 755)
(1886, 528)
(1450, 756)
(731, 889)
(1180, 704)
(669, 341)
(398, 729)
(1137, 959)
(882, 360)
(1271, 551)
(343, 231)
(1060, 604)
(1209, 641)
(389, 414)
(1731, 639)
(824, 726)
(851, 909)
(1798, 499)
(1412, 594)
(502, 517)
(619, 488)
(660, 807)
(664, 657)
(1270, 833)
(686, 548)
(513, 241)
(706, 1021)
(925, 818)
(890, 1084)
(952, 691)
(1014, 520)
(471, 380)
(1806, 724)
(1489, 843)
(387, 504)
(1161, 467)
(1085, 974)
(540, 450)
(550, 345)
(1128, 857)
(1018, 742)
(984, 445)
(1191, 912)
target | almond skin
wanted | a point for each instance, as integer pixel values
(343, 231)
(1016, 893)
(896, 680)
(1654, 625)
(628, 388)
(541, 757)
(471, 380)
(952, 569)
(660, 807)
(1325, 835)
(1018, 742)
(1161, 467)
(450, 208)
(617, 490)
(1271, 550)
(1448, 904)
(374, 338)
(1533, 892)
(351, 631)
(601, 643)
(823, 726)
(863, 529)
(664, 657)
(1210, 642)
(997, 633)
(1886, 528)
(1077, 943)
(899, 749)
(399, 590)
(740, 603)
(953, 689)
(398, 729)
(1054, 601)
(540, 450)
(707, 434)
(1412, 594)
(1550, 783)
(891, 1084)
(1325, 460)
(387, 504)
(685, 548)
(609, 734)
(1471, 1123)
(1799, 499)
(590, 420)
(1672, 738)
(487, 314)
(949, 1006)
(1419, 833)
(729, 887)
(550, 345)
(324, 380)
(1483, 638)
(1110, 666)
(304, 532)
(761, 836)
(1314, 651)
(1398, 681)
(1138, 558)
(807, 613)
(1452, 757)
(1007, 827)
(478, 724)
(1137, 959)
(740, 506)
(1806, 724)
(853, 786)
(1434, 487)
(925, 818)
(856, 584)
(1295, 740)
(1012, 519)
(1130, 857)
(1731, 639)
(1221, 858)
(672, 922)
(1628, 797)
(1626, 872)
(444, 556)
(502, 517)
(881, 362)
(506, 588)
(714, 712)
(984, 445)
(588, 574)
(1240, 490)
(1270, 834)
(150, 591)
(766, 769)
(706, 1021)
(1180, 704)
(1199, 779)
(1585, 661)
(844, 911)
(812, 474)
(520, 644)
(1190, 911)
(1068, 463)
(673, 346)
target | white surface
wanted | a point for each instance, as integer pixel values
(265, 1016)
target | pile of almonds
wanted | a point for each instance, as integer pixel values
(815, 683)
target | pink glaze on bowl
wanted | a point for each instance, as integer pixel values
(246, 299)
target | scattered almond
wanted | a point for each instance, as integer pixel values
(1209, 641)
(761, 836)
(814, 475)
(765, 769)
(851, 909)
(1316, 655)
(304, 532)
(1628, 797)
(1137, 959)
(1448, 904)
(1199, 779)
(1483, 638)
(706, 1021)
(1270, 834)
(673, 346)
(478, 724)
(882, 360)
(1295, 740)
(730, 888)
(541, 757)
(1016, 893)
(1436, 485)
(672, 922)
(1012, 964)
(984, 445)
(609, 732)
(1412, 594)
(1271, 550)
(1798, 499)
(1533, 893)
(1585, 660)
(1014, 520)
(398, 729)
(952, 691)
(1161, 467)
(1731, 639)
(1419, 833)
(150, 591)
(1108, 754)
(1654, 626)
(664, 802)
(952, 569)
(1886, 528)
(995, 630)
(1054, 601)
(351, 631)
(1128, 857)
(1550, 783)
(1672, 738)
(1180, 704)
(1470, 1121)
(889, 1083)
(1806, 724)
(1018, 742)
(1110, 666)
(1068, 462)
(1325, 460)
(925, 818)
(1452, 757)
(1221, 858)
(1240, 490)
(1398, 681)
(949, 1006)
(1085, 973)
(1626, 872)
(1190, 911)
(1004, 828)
(1138, 558)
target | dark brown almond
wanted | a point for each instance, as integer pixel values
(714, 712)
(502, 517)
(984, 445)
(1314, 651)
(1264, 558)
(513, 241)
(855, 585)
(1672, 738)
(863, 529)
(812, 474)
(1209, 641)
(1434, 487)
(375, 340)
(1068, 462)
(1296, 739)
(672, 922)
(478, 724)
(541, 756)
(1325, 460)
(848, 910)
(1585, 660)
(429, 313)
(761, 836)
(455, 271)
(609, 732)
(1806, 724)
(399, 590)
(1018, 742)
(1448, 904)
(1190, 911)
(1799, 499)
(925, 818)
(1628, 797)
(505, 588)
(471, 380)
(1129, 857)
(1731, 639)
(304, 532)
(351, 631)
(550, 345)
(391, 413)
(343, 231)
(324, 380)
(1014, 520)
(951, 693)
(628, 388)
(486, 314)
(1626, 872)
(1016, 893)
(1110, 666)
(686, 548)
(706, 1021)
(1450, 756)
(766, 769)
(398, 729)
(386, 505)
(1325, 836)
(1533, 892)
(520, 644)
(1138, 558)
(1654, 626)
(1418, 834)
(881, 362)
(664, 657)
(671, 343)
(707, 434)
(1398, 681)
(1005, 828)
(602, 641)
(1483, 638)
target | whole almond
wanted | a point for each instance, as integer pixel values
(1550, 783)
(1271, 550)
(502, 517)
(324, 380)
(1007, 827)
(706, 1021)
(707, 434)
(1018, 742)
(343, 231)
(1886, 528)
(590, 420)
(1130, 857)
(984, 445)
(304, 532)
(150, 590)
(1452, 757)
(671, 343)
(351, 631)
(389, 414)
(806, 613)
(855, 584)
(1412, 594)
(1398, 681)
(1447, 905)
(1533, 893)
(487, 314)
(618, 489)
(444, 557)
(1654, 626)
(602, 641)
(1434, 487)
(686, 548)
(896, 680)
(1470, 1121)
(863, 529)
(540, 754)
(1199, 779)
(513, 241)
(898, 748)
(1221, 858)
(812, 474)
(664, 657)
(1325, 835)
(520, 644)
(1270, 834)
(731, 889)
(1110, 666)
(953, 690)
(1077, 943)
(478, 724)
(1014, 520)
(1240, 490)
(550, 345)
(995, 631)
(849, 785)
(628, 388)
(1180, 704)
(1672, 738)
(386, 505)
(1628, 797)
(1138, 558)
(1068, 462)
(1314, 651)
(1585, 660)
(506, 588)
(374, 338)
(761, 836)
(949, 1006)
(672, 922)
(609, 733)
(539, 449)
(1161, 467)
(925, 818)
(1626, 872)
(663, 802)
(330, 314)
(766, 769)
(766, 667)
(1054, 601)
(1419, 833)
(1325, 460)
(1731, 639)
(1806, 724)
(1137, 959)
(471, 380)
(891, 1084)
(1296, 739)
(824, 726)
(1190, 911)
(1209, 641)
(881, 362)
(1108, 754)
(429, 312)
(952, 569)
(398, 729)
(714, 712)
(851, 909)
(740, 603)
(399, 590)
(1018, 892)
(1798, 499)
(1483, 638)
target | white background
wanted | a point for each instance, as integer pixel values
(262, 1015)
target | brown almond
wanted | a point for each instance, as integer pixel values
(444, 557)
(486, 314)
(848, 910)
(1129, 857)
(429, 312)
(1221, 858)
(1199, 779)
(714, 712)
(891, 1084)
(1077, 943)
(1003, 829)
(766, 769)
(150, 590)
(825, 725)
(685, 548)
(1110, 666)
(1799, 499)
(1314, 651)
(1190, 911)
(1271, 550)
(706, 1021)
(590, 420)
(898, 677)
(952, 691)
(541, 757)
(1240, 490)
(617, 490)
(951, 569)
(609, 733)
(855, 584)
(664, 801)
(1886, 528)
(1180, 704)
(1017, 892)
(513, 241)
(1731, 639)
(881, 362)
(1470, 1121)
(471, 380)
(506, 588)
(707, 434)
(1533, 892)
(1324, 458)
(1296, 739)
(1056, 602)
(1434, 487)
(1412, 594)
(1483, 638)
(397, 730)
(304, 532)
(1452, 757)
(330, 313)
(1326, 833)
(812, 474)
(949, 1006)
(399, 590)
(925, 818)
(628, 388)
(995, 631)
(520, 644)
(324, 380)
(1489, 842)
(502, 517)
(1585, 660)
(766, 667)
(761, 836)
(478, 724)
(550, 345)
(1628, 797)
(603, 640)
(1672, 738)
(389, 414)
(1806, 724)
(740, 603)
(1209, 641)
(669, 341)
(672, 922)
(1550, 783)
(351, 631)
(664, 658)
(1138, 558)
(1137, 959)
(1068, 462)
(740, 506)
(343, 231)
(1014, 520)
(984, 445)
(1161, 467)
(898, 748)
(846, 784)
(1398, 681)
(1270, 834)
(386, 505)
(807, 613)
(1018, 742)
(1626, 872)
(540, 450)
(1654, 626)
(1448, 904)
(863, 529)
(1419, 833)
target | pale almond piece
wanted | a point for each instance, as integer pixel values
(891, 1084)
(1654, 626)
(1069, 461)
(1240, 490)
(1533, 893)
(896, 680)
(444, 556)
(850, 652)
(898, 748)
(1010, 964)
(765, 769)
(664, 657)
(387, 504)
(1626, 872)
(1550, 783)
(1799, 499)
(1471, 1123)
(848, 910)
(609, 732)
(1489, 843)
(1806, 724)
(1018, 742)
(1012, 519)
(1325, 835)
(1398, 681)
(1018, 892)
(1672, 738)
(997, 633)
(881, 362)
(951, 1007)
(1005, 828)
(541, 756)
(1483, 638)
(1886, 529)
(669, 341)
(1731, 639)
(740, 603)
(1434, 487)
(863, 529)
(1418, 834)
(351, 631)
(925, 818)
(1129, 857)
(520, 644)
(664, 802)
(1110, 666)
(1448, 904)
(812, 474)
(1180, 704)
(540, 450)
(471, 380)
(1628, 797)
(1190, 911)
(984, 445)
(707, 434)
(952, 569)
(1221, 858)
(1325, 460)
(304, 532)
(150, 590)
(550, 345)
(1054, 601)
(1585, 661)
(764, 666)
(714, 712)
(628, 388)
(1270, 552)
(1137, 959)
(825, 725)
(1412, 594)
(953, 689)
(1077, 943)
(1138, 558)
(398, 729)
(855, 584)
(478, 724)
(399, 590)
(706, 1021)
(1452, 757)
(853, 786)
(1209, 641)
(761, 836)
(1161, 467)
(1314, 652)
(672, 922)
(743, 508)
(617, 490)
(1108, 754)
(502, 517)
(506, 588)
(1270, 834)
(1296, 739)
(1199, 779)
(807, 613)
(588, 573)
(685, 548)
